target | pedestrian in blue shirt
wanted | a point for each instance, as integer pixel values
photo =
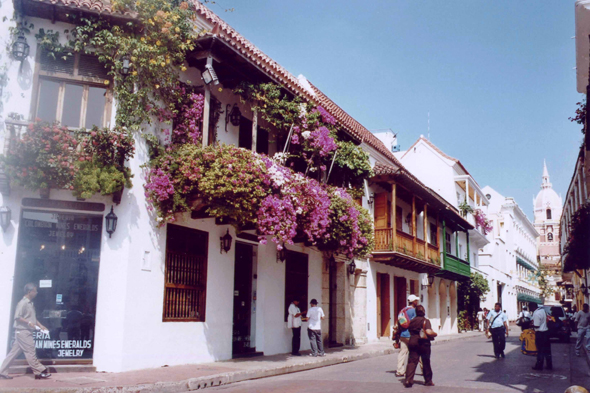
(404, 336)
(498, 326)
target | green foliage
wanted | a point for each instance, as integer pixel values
(465, 208)
(96, 178)
(469, 294)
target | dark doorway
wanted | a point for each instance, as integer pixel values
(399, 301)
(500, 294)
(244, 322)
(383, 305)
(333, 310)
(245, 135)
(60, 253)
(296, 280)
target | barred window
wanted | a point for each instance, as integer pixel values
(185, 285)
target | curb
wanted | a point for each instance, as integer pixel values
(228, 377)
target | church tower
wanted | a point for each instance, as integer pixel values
(548, 207)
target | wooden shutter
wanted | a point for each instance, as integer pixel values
(57, 64)
(381, 210)
(90, 66)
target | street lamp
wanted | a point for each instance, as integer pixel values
(430, 282)
(351, 267)
(20, 48)
(234, 116)
(111, 222)
(282, 254)
(225, 242)
(371, 199)
(126, 65)
(584, 289)
(209, 75)
(5, 215)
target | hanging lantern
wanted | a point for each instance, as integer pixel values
(111, 222)
(5, 216)
(20, 48)
(126, 65)
(282, 254)
(351, 267)
(209, 75)
(225, 242)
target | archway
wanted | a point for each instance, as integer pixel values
(442, 296)
(453, 301)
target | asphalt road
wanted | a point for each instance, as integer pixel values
(465, 365)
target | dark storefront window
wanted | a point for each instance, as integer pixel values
(296, 280)
(60, 253)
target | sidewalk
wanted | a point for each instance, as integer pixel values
(200, 376)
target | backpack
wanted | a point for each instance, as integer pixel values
(403, 319)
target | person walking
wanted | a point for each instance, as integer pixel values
(582, 322)
(25, 323)
(294, 323)
(421, 334)
(485, 318)
(524, 319)
(498, 326)
(408, 313)
(314, 328)
(480, 319)
(541, 337)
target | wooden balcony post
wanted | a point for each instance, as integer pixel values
(425, 233)
(414, 225)
(457, 244)
(444, 244)
(254, 128)
(206, 106)
(393, 217)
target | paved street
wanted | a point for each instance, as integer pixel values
(459, 366)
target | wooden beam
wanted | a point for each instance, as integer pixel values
(414, 224)
(393, 217)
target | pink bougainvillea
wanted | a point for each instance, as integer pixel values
(482, 221)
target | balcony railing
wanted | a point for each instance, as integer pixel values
(456, 265)
(406, 244)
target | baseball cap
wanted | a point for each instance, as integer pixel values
(413, 298)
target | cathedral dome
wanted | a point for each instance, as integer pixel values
(547, 199)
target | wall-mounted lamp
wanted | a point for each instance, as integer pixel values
(5, 216)
(234, 116)
(209, 75)
(111, 222)
(282, 254)
(430, 282)
(20, 48)
(351, 267)
(371, 199)
(126, 65)
(584, 289)
(225, 242)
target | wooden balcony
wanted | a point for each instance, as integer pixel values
(455, 268)
(405, 251)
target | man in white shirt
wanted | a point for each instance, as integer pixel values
(498, 326)
(294, 323)
(524, 319)
(315, 315)
(582, 321)
(541, 337)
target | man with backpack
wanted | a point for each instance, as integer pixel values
(403, 334)
(524, 319)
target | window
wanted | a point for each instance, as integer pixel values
(296, 274)
(550, 237)
(414, 287)
(245, 134)
(262, 141)
(72, 92)
(185, 275)
(549, 214)
(460, 253)
(433, 234)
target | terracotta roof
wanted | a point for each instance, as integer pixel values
(439, 151)
(93, 6)
(224, 31)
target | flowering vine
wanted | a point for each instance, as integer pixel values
(482, 221)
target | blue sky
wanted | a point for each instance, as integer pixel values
(497, 77)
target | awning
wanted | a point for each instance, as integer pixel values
(523, 297)
(525, 264)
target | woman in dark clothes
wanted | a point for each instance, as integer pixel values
(419, 348)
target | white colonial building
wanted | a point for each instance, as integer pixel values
(510, 259)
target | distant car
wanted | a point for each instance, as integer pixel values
(561, 328)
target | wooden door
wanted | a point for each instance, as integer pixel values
(242, 299)
(385, 305)
(382, 218)
(399, 299)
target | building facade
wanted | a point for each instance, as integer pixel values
(510, 259)
(547, 210)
